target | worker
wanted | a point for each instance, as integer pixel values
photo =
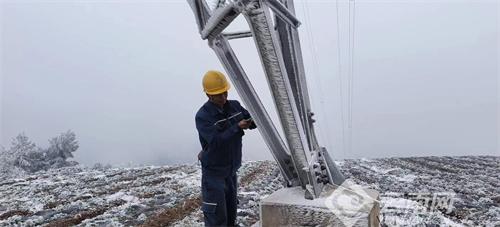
(220, 123)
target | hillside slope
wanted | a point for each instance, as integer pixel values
(170, 195)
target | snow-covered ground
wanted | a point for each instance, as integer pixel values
(425, 191)
(431, 191)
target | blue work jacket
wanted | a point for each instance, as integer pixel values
(220, 137)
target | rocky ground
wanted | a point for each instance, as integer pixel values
(424, 191)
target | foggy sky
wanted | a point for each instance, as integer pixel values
(125, 76)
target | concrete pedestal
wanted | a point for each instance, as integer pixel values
(288, 207)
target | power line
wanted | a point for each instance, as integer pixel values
(312, 47)
(339, 72)
(352, 30)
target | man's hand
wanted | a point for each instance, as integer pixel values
(244, 124)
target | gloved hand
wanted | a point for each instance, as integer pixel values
(252, 125)
(244, 124)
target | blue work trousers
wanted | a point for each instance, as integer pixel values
(219, 200)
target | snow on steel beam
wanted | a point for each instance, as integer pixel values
(220, 19)
(251, 99)
(292, 55)
(201, 12)
(259, 19)
(281, 11)
(237, 35)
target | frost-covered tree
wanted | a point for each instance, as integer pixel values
(22, 151)
(5, 157)
(25, 157)
(8, 160)
(5, 162)
(61, 148)
(101, 167)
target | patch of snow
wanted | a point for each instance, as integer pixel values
(123, 196)
(142, 217)
(36, 207)
(248, 193)
(407, 178)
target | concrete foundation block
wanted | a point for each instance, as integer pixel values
(288, 207)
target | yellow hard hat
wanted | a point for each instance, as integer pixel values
(214, 82)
